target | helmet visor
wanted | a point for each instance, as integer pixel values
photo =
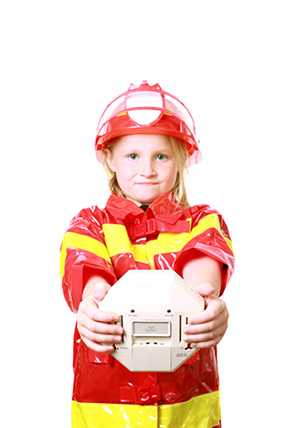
(145, 108)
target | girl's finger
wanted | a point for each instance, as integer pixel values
(208, 344)
(221, 320)
(205, 337)
(97, 347)
(99, 338)
(99, 327)
(96, 314)
(214, 308)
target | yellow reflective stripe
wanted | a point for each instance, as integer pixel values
(140, 253)
(228, 241)
(207, 222)
(202, 411)
(211, 220)
(174, 242)
(118, 241)
(81, 242)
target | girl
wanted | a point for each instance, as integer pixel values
(145, 140)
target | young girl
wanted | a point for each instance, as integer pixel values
(146, 138)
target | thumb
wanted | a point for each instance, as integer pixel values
(100, 291)
(206, 289)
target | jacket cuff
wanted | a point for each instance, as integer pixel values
(79, 277)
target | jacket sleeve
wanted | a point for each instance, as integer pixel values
(209, 236)
(83, 253)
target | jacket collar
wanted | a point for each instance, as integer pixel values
(163, 208)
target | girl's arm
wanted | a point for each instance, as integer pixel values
(204, 275)
(201, 270)
(97, 328)
(83, 254)
(97, 287)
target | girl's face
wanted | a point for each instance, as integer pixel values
(144, 165)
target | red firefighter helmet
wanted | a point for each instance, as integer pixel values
(147, 109)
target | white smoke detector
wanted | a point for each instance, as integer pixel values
(154, 308)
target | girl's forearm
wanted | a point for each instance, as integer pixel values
(92, 284)
(201, 270)
(195, 272)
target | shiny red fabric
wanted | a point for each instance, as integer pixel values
(98, 377)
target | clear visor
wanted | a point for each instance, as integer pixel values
(146, 107)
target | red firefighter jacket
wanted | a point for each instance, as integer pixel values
(111, 241)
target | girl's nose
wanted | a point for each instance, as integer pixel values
(148, 169)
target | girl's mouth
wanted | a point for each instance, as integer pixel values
(148, 184)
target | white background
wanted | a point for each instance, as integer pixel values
(61, 62)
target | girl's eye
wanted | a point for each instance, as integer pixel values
(161, 156)
(132, 155)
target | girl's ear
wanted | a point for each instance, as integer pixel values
(109, 159)
(100, 156)
(105, 157)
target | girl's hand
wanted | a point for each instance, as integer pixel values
(208, 328)
(96, 327)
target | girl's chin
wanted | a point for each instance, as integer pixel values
(144, 195)
(141, 199)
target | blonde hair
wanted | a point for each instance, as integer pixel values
(179, 189)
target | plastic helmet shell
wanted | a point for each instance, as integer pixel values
(147, 109)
